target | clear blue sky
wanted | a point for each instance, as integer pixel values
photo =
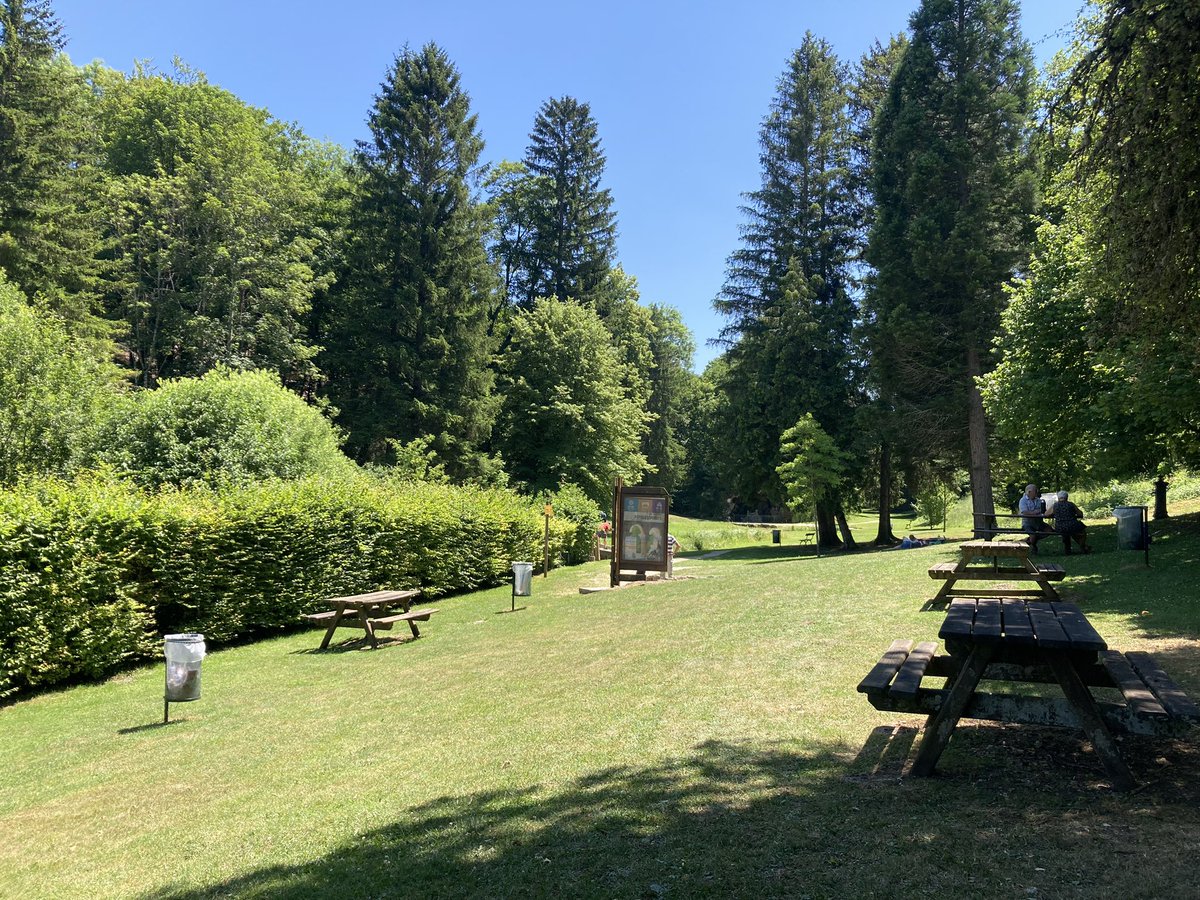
(678, 89)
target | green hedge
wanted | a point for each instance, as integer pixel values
(92, 572)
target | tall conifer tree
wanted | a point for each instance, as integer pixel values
(787, 292)
(573, 225)
(954, 189)
(409, 348)
(48, 240)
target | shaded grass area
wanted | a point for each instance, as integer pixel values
(695, 738)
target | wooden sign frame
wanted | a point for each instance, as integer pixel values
(641, 523)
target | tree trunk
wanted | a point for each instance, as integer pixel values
(827, 527)
(1160, 498)
(981, 473)
(847, 537)
(884, 537)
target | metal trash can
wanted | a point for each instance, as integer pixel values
(776, 536)
(184, 654)
(1131, 527)
(522, 579)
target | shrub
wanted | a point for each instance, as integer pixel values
(89, 571)
(51, 389)
(579, 511)
(223, 428)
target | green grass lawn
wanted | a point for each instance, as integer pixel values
(695, 738)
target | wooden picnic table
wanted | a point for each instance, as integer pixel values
(1015, 640)
(370, 612)
(1021, 569)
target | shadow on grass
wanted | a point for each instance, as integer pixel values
(747, 821)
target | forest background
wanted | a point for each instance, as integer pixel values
(956, 274)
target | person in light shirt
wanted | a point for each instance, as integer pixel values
(1032, 509)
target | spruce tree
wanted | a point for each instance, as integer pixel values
(787, 291)
(409, 349)
(954, 189)
(573, 225)
(48, 240)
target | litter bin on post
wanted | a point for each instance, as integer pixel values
(776, 535)
(522, 582)
(184, 654)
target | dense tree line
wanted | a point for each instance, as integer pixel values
(942, 257)
(179, 231)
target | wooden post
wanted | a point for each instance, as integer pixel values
(546, 546)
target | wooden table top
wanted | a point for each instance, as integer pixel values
(375, 598)
(1018, 547)
(1049, 626)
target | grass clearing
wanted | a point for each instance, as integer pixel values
(695, 738)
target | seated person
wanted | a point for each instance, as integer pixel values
(1068, 521)
(1032, 510)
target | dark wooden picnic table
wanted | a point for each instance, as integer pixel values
(1017, 567)
(1011, 639)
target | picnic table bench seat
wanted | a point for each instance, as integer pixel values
(1049, 571)
(385, 622)
(320, 618)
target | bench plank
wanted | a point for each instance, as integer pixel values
(321, 617)
(913, 670)
(1080, 631)
(959, 619)
(1171, 695)
(420, 615)
(1047, 629)
(987, 621)
(1017, 627)
(1139, 697)
(882, 673)
(942, 570)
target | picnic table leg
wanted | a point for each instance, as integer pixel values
(332, 627)
(942, 723)
(369, 628)
(1093, 726)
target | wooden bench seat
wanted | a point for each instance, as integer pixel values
(1012, 573)
(418, 615)
(321, 618)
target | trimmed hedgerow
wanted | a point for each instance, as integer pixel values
(92, 571)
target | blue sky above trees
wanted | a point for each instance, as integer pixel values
(678, 89)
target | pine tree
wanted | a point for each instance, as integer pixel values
(954, 189)
(787, 292)
(48, 239)
(573, 225)
(409, 349)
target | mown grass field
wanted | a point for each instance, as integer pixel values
(695, 738)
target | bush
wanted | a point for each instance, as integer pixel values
(579, 511)
(90, 571)
(52, 388)
(223, 428)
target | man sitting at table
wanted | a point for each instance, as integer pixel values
(1033, 510)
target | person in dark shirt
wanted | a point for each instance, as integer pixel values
(1068, 521)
